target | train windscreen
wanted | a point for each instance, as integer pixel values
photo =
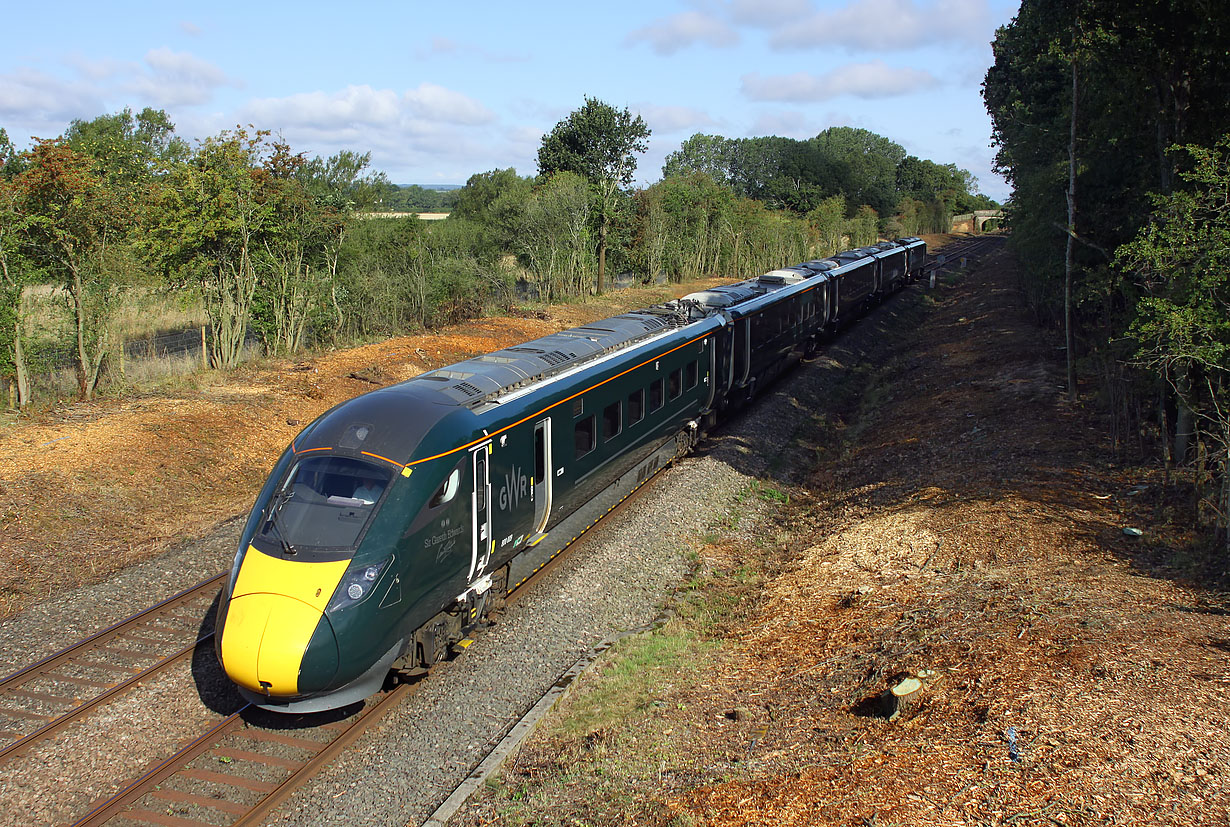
(324, 503)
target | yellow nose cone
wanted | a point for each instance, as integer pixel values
(264, 640)
(274, 611)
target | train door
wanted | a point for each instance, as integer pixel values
(743, 350)
(543, 472)
(711, 373)
(480, 507)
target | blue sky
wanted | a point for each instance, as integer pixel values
(438, 91)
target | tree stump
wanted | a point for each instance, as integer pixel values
(902, 698)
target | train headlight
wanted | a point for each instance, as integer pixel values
(356, 585)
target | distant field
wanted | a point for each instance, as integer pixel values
(425, 216)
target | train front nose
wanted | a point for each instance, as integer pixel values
(276, 639)
(265, 643)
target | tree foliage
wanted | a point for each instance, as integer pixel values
(75, 224)
(1087, 98)
(287, 251)
(214, 213)
(861, 167)
(1181, 260)
(599, 143)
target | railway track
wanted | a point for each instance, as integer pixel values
(962, 252)
(42, 699)
(249, 762)
(238, 771)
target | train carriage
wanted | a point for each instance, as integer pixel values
(395, 521)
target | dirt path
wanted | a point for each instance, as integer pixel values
(965, 525)
(87, 489)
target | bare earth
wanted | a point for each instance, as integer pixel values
(963, 523)
(961, 518)
(975, 529)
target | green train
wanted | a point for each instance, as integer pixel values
(395, 521)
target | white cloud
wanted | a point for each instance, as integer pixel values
(443, 46)
(787, 123)
(668, 119)
(101, 69)
(895, 24)
(427, 127)
(863, 80)
(189, 28)
(43, 104)
(670, 34)
(179, 79)
(40, 104)
(439, 104)
(363, 106)
(769, 14)
(353, 106)
(447, 47)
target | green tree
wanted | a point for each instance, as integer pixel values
(599, 143)
(343, 181)
(494, 201)
(865, 166)
(74, 227)
(554, 240)
(712, 155)
(827, 220)
(687, 227)
(293, 265)
(339, 187)
(1181, 259)
(15, 273)
(863, 227)
(128, 150)
(213, 215)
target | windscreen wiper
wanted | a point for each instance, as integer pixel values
(273, 522)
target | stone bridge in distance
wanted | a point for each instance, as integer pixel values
(973, 222)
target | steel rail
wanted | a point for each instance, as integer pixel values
(78, 707)
(125, 803)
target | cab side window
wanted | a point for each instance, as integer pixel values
(447, 490)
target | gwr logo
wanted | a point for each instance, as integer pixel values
(647, 470)
(516, 485)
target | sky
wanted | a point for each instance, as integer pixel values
(439, 91)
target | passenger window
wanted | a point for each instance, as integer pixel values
(578, 407)
(691, 375)
(585, 436)
(655, 394)
(447, 489)
(675, 383)
(636, 406)
(612, 420)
